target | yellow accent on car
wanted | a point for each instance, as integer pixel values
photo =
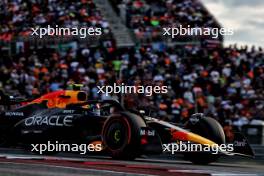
(199, 139)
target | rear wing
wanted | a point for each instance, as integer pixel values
(241, 147)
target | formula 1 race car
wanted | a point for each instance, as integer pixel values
(67, 116)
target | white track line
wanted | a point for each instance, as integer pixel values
(80, 169)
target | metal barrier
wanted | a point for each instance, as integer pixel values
(254, 133)
(8, 47)
(259, 151)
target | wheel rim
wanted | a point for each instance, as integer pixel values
(117, 135)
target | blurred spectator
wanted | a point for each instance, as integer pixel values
(148, 17)
(224, 83)
(18, 17)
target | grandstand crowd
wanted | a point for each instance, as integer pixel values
(147, 18)
(226, 83)
(18, 17)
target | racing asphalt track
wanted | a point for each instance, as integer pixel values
(17, 162)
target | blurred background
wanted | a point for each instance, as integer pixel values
(223, 77)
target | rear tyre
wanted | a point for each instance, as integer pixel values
(5, 140)
(2, 140)
(210, 129)
(121, 135)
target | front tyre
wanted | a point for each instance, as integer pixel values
(209, 128)
(121, 135)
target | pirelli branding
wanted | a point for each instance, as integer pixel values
(55, 120)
